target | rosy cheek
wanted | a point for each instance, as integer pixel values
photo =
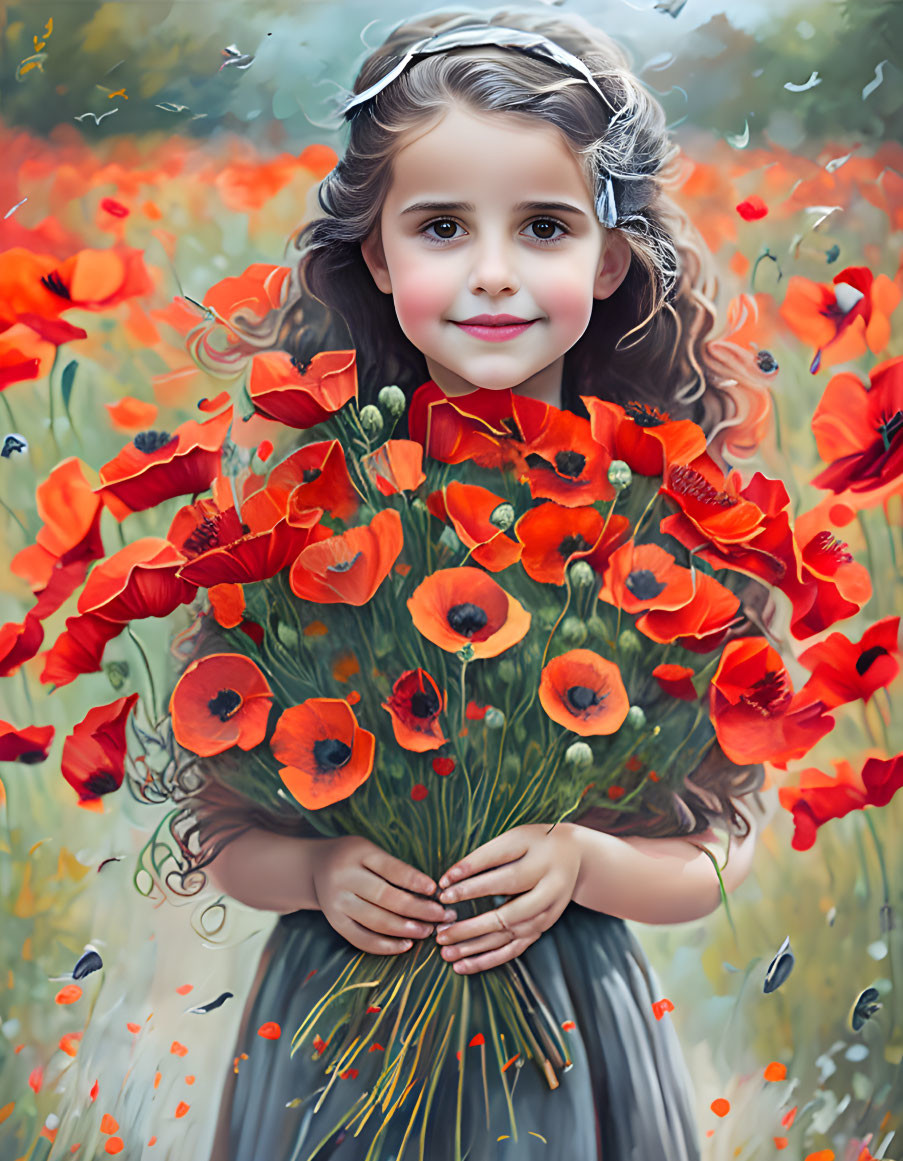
(420, 299)
(567, 301)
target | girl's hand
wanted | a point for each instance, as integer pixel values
(374, 900)
(537, 865)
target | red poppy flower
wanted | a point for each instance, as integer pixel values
(455, 607)
(280, 391)
(138, 581)
(156, 466)
(55, 565)
(676, 681)
(484, 426)
(752, 705)
(93, 761)
(28, 745)
(227, 602)
(640, 577)
(415, 706)
(752, 209)
(317, 476)
(642, 436)
(715, 505)
(99, 279)
(553, 535)
(470, 510)
(78, 649)
(395, 467)
(701, 624)
(859, 433)
(221, 700)
(349, 568)
(566, 464)
(583, 692)
(828, 587)
(820, 797)
(327, 755)
(843, 670)
(19, 642)
(841, 320)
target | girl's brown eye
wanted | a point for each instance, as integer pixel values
(451, 226)
(550, 226)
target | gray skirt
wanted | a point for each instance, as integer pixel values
(626, 1098)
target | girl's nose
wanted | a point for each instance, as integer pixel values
(493, 270)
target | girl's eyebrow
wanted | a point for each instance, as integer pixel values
(467, 207)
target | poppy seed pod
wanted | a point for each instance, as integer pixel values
(636, 717)
(573, 631)
(581, 574)
(619, 475)
(579, 754)
(494, 718)
(371, 420)
(502, 517)
(391, 399)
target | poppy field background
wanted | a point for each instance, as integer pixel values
(204, 172)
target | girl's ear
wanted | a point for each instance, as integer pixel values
(615, 263)
(374, 256)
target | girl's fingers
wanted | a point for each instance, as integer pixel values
(383, 922)
(376, 890)
(491, 959)
(510, 879)
(518, 916)
(475, 946)
(510, 845)
(397, 872)
(365, 940)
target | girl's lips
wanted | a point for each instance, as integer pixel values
(494, 334)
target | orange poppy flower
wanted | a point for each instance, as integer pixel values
(395, 467)
(140, 580)
(280, 391)
(584, 692)
(317, 477)
(250, 296)
(642, 436)
(221, 700)
(480, 426)
(130, 414)
(29, 745)
(700, 624)
(99, 279)
(93, 760)
(349, 568)
(469, 509)
(78, 649)
(756, 715)
(565, 463)
(676, 681)
(327, 755)
(714, 504)
(553, 535)
(415, 706)
(640, 577)
(820, 797)
(840, 321)
(156, 466)
(844, 671)
(455, 607)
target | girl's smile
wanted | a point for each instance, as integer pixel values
(489, 244)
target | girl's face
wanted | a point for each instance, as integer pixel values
(491, 215)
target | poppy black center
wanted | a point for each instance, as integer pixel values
(101, 782)
(582, 698)
(30, 757)
(644, 584)
(767, 696)
(151, 441)
(345, 565)
(569, 463)
(688, 482)
(572, 544)
(866, 660)
(224, 705)
(205, 536)
(331, 753)
(890, 428)
(466, 619)
(55, 285)
(310, 474)
(424, 703)
(766, 362)
(645, 416)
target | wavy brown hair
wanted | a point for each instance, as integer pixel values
(648, 342)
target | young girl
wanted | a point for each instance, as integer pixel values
(498, 220)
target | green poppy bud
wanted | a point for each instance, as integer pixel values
(287, 634)
(631, 646)
(371, 420)
(597, 627)
(494, 718)
(573, 631)
(502, 517)
(579, 754)
(391, 399)
(619, 475)
(636, 717)
(449, 539)
(581, 574)
(507, 671)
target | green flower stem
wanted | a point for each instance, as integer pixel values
(727, 908)
(9, 411)
(879, 851)
(147, 668)
(12, 514)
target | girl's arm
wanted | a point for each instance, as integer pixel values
(540, 870)
(371, 898)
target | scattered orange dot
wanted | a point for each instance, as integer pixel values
(348, 1074)
(353, 698)
(265, 450)
(185, 989)
(710, 1132)
(315, 629)
(156, 1080)
(374, 1008)
(720, 1107)
(652, 776)
(189, 1079)
(133, 1027)
(95, 1089)
(75, 1148)
(270, 1030)
(616, 792)
(36, 1079)
(374, 1047)
(568, 1026)
(780, 1142)
(178, 1049)
(510, 1061)
(69, 1043)
(108, 1124)
(660, 1007)
(788, 1118)
(775, 1071)
(320, 1044)
(6, 1110)
(821, 1155)
(477, 1040)
(69, 994)
(182, 1109)
(633, 764)
(114, 1145)
(18, 1049)
(152, 1141)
